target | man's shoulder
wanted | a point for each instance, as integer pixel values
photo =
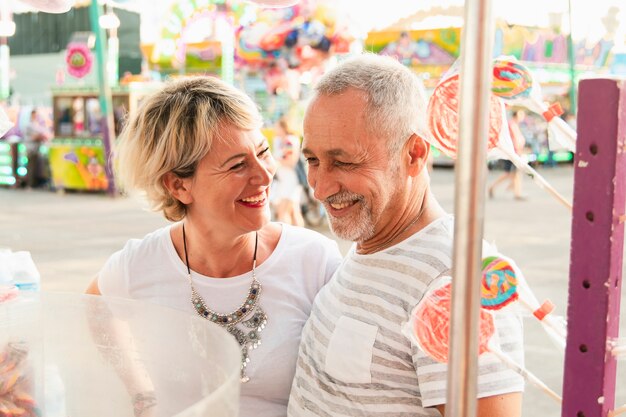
(441, 227)
(435, 237)
(419, 259)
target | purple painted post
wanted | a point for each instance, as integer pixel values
(596, 249)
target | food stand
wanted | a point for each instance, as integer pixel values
(76, 153)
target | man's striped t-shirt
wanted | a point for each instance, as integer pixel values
(354, 359)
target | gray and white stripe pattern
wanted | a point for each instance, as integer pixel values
(354, 359)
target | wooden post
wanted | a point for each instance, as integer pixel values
(596, 249)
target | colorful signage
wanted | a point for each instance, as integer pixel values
(78, 164)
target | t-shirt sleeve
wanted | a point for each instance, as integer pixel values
(113, 277)
(494, 377)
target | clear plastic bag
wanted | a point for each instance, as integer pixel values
(503, 284)
(514, 83)
(428, 328)
(98, 356)
(429, 323)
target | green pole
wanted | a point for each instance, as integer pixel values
(572, 62)
(106, 102)
(4, 69)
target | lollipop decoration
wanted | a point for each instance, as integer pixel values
(428, 329)
(443, 120)
(500, 286)
(513, 82)
(431, 325)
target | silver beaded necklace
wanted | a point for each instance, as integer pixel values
(249, 314)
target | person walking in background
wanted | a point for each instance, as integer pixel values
(511, 173)
(286, 189)
(34, 135)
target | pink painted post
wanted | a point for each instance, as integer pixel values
(596, 249)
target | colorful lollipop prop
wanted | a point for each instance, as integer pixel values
(501, 285)
(511, 80)
(443, 122)
(429, 323)
(443, 116)
(428, 329)
(514, 83)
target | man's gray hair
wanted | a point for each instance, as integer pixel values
(396, 101)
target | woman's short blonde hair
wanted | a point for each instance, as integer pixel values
(173, 130)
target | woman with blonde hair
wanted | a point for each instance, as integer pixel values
(196, 150)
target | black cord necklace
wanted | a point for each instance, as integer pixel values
(248, 339)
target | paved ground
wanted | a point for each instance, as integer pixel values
(71, 235)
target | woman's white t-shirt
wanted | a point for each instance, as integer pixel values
(149, 269)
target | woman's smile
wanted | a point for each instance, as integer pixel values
(257, 200)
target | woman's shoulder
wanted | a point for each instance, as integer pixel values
(151, 242)
(305, 255)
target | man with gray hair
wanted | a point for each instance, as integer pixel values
(364, 133)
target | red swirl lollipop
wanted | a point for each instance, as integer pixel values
(443, 116)
(431, 322)
(443, 123)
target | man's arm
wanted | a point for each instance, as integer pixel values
(505, 405)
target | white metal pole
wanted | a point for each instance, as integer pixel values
(475, 86)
